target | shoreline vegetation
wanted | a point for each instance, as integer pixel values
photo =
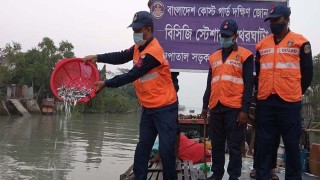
(34, 67)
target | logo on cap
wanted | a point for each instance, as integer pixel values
(272, 9)
(135, 17)
(226, 25)
(157, 9)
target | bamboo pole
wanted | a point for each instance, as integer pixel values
(312, 130)
(205, 146)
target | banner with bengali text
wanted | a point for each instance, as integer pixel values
(188, 30)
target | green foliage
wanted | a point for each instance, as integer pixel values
(117, 100)
(34, 68)
(9, 55)
(120, 100)
(97, 105)
(313, 95)
(5, 74)
(111, 101)
(65, 49)
(316, 72)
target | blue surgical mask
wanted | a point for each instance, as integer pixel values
(138, 39)
(226, 42)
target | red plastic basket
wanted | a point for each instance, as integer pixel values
(74, 73)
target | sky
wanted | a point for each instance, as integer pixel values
(100, 26)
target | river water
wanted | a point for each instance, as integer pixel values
(83, 147)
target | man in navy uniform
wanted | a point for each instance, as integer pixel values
(284, 72)
(156, 93)
(228, 95)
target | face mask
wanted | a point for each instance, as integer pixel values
(277, 28)
(138, 39)
(226, 42)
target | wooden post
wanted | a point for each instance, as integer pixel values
(205, 147)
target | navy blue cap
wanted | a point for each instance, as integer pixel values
(229, 27)
(277, 11)
(141, 19)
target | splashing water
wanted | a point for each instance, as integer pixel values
(71, 95)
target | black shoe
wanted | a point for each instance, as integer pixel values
(273, 175)
(208, 178)
(213, 178)
(253, 173)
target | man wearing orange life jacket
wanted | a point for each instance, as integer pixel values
(155, 91)
(284, 72)
(228, 95)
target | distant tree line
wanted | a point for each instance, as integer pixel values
(34, 68)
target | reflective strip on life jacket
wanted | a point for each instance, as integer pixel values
(215, 79)
(218, 63)
(233, 63)
(148, 77)
(288, 65)
(232, 79)
(266, 51)
(294, 51)
(266, 65)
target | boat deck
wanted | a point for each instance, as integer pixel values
(186, 170)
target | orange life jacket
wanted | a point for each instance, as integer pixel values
(280, 67)
(155, 89)
(227, 82)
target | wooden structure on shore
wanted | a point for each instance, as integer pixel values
(23, 111)
(18, 100)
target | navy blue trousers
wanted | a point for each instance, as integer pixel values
(276, 116)
(224, 128)
(155, 122)
(274, 155)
